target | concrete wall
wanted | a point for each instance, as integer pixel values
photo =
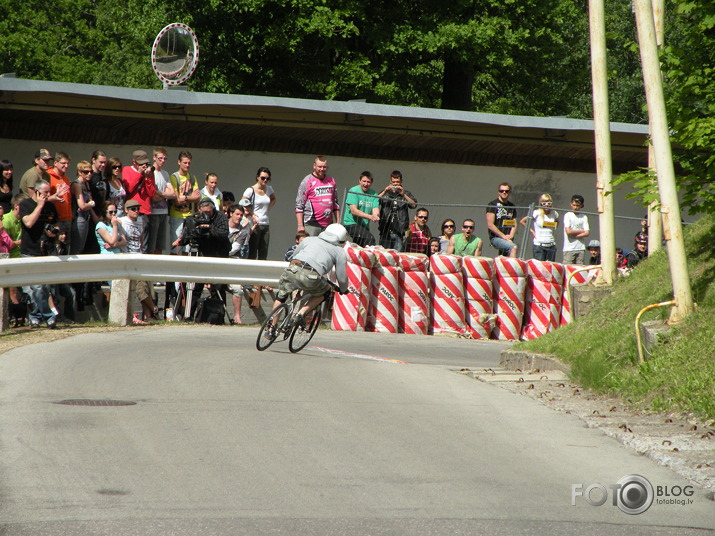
(448, 184)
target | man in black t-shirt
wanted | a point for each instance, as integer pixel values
(501, 222)
(38, 217)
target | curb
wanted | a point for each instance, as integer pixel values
(524, 361)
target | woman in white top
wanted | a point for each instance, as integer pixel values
(212, 192)
(543, 230)
(262, 197)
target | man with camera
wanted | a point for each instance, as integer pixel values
(394, 217)
(138, 182)
(39, 220)
(206, 233)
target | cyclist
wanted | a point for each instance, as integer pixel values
(314, 257)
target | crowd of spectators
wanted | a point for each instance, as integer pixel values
(111, 208)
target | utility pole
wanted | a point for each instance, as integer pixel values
(655, 221)
(670, 206)
(602, 130)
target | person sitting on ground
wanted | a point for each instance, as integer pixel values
(465, 244)
(449, 227)
(418, 233)
(314, 257)
(594, 248)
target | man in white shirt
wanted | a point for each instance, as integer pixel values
(576, 230)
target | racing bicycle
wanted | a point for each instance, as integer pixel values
(281, 323)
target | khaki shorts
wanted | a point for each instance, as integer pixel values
(297, 278)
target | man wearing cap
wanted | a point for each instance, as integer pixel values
(133, 227)
(594, 248)
(43, 161)
(208, 230)
(138, 182)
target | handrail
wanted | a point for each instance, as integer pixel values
(641, 359)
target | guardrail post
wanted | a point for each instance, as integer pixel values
(119, 301)
(4, 316)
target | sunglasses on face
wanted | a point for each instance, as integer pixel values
(265, 179)
(504, 191)
(85, 171)
(448, 226)
(546, 203)
(133, 208)
(467, 226)
(118, 167)
(423, 217)
(111, 212)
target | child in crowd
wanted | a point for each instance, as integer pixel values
(299, 236)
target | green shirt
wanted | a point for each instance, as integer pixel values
(364, 203)
(13, 227)
(464, 248)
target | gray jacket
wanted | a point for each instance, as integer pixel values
(322, 255)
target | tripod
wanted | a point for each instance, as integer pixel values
(189, 287)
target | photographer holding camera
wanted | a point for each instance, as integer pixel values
(206, 233)
(39, 220)
(138, 182)
(394, 217)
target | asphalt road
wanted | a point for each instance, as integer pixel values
(340, 439)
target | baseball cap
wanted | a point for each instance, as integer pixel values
(140, 157)
(245, 202)
(594, 244)
(206, 201)
(641, 238)
(44, 154)
(132, 203)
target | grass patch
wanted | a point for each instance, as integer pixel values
(679, 373)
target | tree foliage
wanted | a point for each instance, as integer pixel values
(526, 57)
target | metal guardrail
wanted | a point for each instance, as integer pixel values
(134, 266)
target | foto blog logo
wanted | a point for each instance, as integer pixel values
(632, 494)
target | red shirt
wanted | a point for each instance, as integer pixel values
(418, 240)
(138, 187)
(64, 210)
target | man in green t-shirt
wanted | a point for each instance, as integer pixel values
(363, 207)
(465, 244)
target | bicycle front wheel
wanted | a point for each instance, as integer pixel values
(271, 327)
(303, 333)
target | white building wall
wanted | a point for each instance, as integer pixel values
(431, 183)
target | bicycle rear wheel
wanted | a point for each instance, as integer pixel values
(271, 327)
(303, 333)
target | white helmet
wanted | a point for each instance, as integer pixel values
(335, 234)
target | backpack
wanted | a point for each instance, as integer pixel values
(210, 311)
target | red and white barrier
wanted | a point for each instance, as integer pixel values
(538, 297)
(509, 294)
(478, 288)
(414, 317)
(383, 312)
(350, 310)
(580, 278)
(448, 300)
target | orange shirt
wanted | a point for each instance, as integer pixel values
(64, 210)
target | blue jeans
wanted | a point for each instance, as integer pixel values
(504, 246)
(39, 298)
(392, 241)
